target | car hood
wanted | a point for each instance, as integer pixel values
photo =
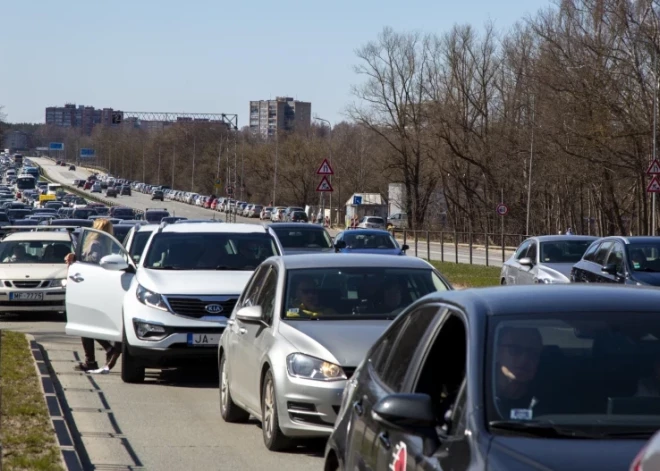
(342, 342)
(202, 282)
(376, 251)
(562, 455)
(558, 271)
(36, 271)
(301, 250)
(646, 278)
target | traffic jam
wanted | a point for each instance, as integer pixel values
(348, 340)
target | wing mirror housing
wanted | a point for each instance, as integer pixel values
(340, 244)
(405, 247)
(526, 261)
(409, 413)
(610, 269)
(114, 262)
(250, 314)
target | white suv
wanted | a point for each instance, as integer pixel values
(172, 307)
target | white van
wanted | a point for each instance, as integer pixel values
(54, 188)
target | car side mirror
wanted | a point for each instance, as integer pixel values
(610, 269)
(405, 247)
(250, 314)
(114, 262)
(340, 244)
(526, 261)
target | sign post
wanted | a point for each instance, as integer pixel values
(653, 188)
(57, 146)
(502, 210)
(324, 187)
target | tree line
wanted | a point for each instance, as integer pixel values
(553, 118)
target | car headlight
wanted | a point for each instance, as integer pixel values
(151, 299)
(546, 281)
(61, 283)
(304, 366)
(148, 330)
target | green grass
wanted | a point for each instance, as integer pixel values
(463, 275)
(26, 432)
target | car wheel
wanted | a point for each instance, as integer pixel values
(274, 439)
(131, 370)
(228, 409)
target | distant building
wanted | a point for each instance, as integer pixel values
(81, 116)
(16, 140)
(283, 113)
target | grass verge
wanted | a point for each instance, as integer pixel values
(463, 275)
(26, 432)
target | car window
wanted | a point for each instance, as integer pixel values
(48, 251)
(522, 250)
(616, 257)
(138, 244)
(267, 295)
(602, 253)
(591, 252)
(296, 238)
(370, 241)
(531, 252)
(249, 296)
(379, 354)
(351, 293)
(407, 343)
(96, 245)
(563, 251)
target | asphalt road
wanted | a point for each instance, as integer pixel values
(143, 201)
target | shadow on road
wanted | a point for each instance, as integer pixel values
(202, 376)
(32, 317)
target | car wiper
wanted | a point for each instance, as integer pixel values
(167, 267)
(541, 429)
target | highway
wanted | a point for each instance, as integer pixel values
(142, 201)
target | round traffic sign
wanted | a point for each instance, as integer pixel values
(501, 209)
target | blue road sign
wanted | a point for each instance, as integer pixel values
(56, 146)
(87, 153)
(357, 200)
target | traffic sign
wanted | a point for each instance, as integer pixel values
(324, 186)
(218, 182)
(654, 168)
(502, 209)
(230, 190)
(87, 153)
(325, 169)
(56, 146)
(654, 185)
(357, 200)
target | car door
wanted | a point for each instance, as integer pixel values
(527, 274)
(95, 295)
(615, 257)
(579, 272)
(235, 331)
(595, 273)
(254, 343)
(513, 267)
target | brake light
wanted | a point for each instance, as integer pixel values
(637, 462)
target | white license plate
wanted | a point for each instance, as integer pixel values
(26, 296)
(204, 340)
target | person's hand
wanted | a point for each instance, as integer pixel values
(70, 258)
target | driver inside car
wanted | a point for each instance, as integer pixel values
(305, 302)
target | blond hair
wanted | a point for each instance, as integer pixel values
(99, 224)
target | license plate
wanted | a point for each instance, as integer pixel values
(26, 296)
(204, 340)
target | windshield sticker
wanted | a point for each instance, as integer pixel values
(293, 312)
(521, 414)
(400, 456)
(637, 265)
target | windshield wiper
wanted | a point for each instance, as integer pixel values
(541, 429)
(167, 267)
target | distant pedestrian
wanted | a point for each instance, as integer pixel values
(569, 231)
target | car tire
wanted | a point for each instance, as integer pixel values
(131, 370)
(228, 409)
(273, 437)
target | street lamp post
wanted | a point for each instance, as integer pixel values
(329, 161)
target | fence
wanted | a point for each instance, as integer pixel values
(460, 247)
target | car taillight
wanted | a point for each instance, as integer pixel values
(637, 462)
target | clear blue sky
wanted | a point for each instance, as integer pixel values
(210, 56)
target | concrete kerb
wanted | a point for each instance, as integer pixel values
(72, 450)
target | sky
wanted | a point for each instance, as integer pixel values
(207, 56)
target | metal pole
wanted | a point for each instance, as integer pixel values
(502, 225)
(235, 171)
(192, 177)
(173, 160)
(531, 158)
(217, 174)
(655, 128)
(242, 168)
(144, 168)
(275, 174)
(158, 165)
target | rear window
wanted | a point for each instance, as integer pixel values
(155, 216)
(295, 238)
(83, 213)
(123, 212)
(374, 220)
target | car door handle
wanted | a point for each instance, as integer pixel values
(385, 440)
(242, 330)
(77, 278)
(357, 407)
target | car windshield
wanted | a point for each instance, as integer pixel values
(564, 251)
(139, 243)
(375, 220)
(51, 251)
(295, 238)
(83, 213)
(18, 213)
(209, 251)
(356, 292)
(575, 370)
(369, 241)
(123, 212)
(644, 256)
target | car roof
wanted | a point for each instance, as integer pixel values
(225, 227)
(367, 231)
(146, 227)
(335, 260)
(563, 237)
(295, 225)
(635, 239)
(39, 236)
(546, 299)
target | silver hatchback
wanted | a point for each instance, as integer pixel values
(299, 330)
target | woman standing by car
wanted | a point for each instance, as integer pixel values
(93, 251)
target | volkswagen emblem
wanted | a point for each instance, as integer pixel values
(213, 308)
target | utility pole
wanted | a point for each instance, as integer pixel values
(144, 168)
(275, 174)
(531, 158)
(217, 174)
(655, 130)
(242, 167)
(158, 165)
(192, 178)
(173, 160)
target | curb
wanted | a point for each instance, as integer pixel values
(74, 456)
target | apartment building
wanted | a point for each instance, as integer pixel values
(283, 113)
(81, 116)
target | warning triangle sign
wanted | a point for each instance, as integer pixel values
(654, 168)
(325, 185)
(326, 169)
(654, 185)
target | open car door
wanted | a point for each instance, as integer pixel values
(96, 285)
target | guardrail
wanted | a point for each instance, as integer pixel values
(461, 247)
(82, 193)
